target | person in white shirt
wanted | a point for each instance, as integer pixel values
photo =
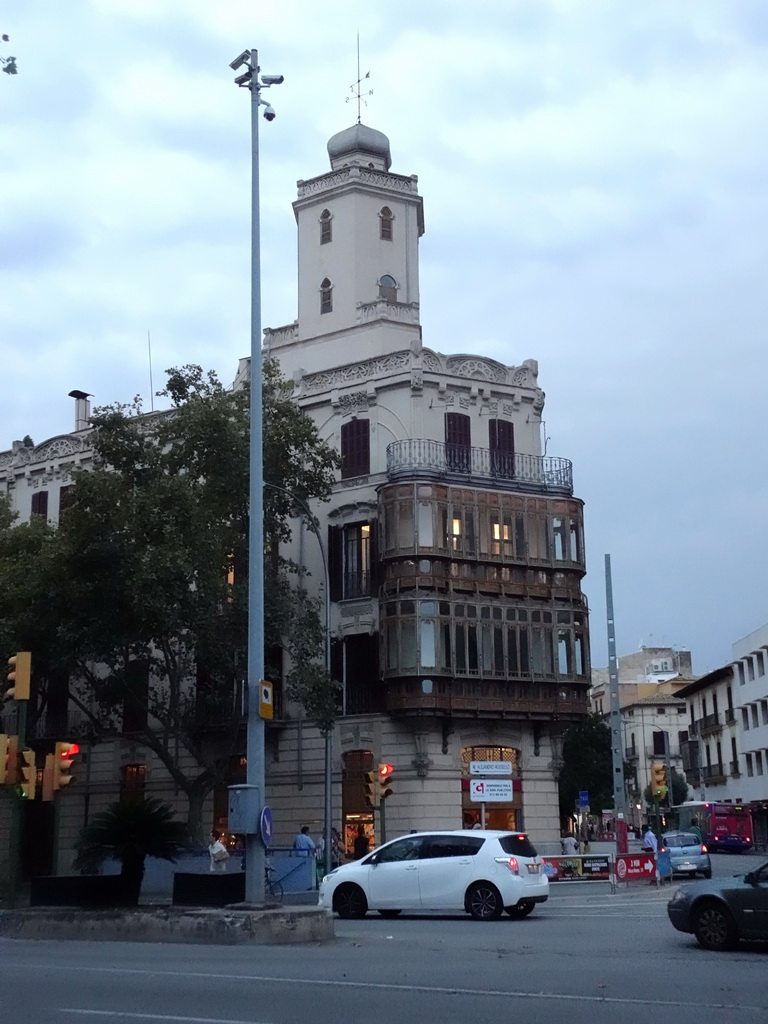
(650, 842)
(569, 845)
(218, 854)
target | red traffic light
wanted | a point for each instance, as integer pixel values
(385, 770)
(68, 751)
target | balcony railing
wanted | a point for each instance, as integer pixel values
(730, 716)
(709, 723)
(528, 472)
(735, 770)
(714, 773)
(630, 753)
(481, 698)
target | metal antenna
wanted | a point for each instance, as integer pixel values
(355, 87)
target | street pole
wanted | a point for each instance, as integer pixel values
(255, 859)
(327, 781)
(617, 752)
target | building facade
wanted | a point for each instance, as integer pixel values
(726, 756)
(454, 548)
(649, 681)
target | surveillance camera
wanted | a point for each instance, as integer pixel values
(272, 79)
(239, 61)
(244, 79)
(269, 113)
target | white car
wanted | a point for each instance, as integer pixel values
(481, 872)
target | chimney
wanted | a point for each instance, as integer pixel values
(82, 409)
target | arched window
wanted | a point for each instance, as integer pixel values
(385, 223)
(325, 227)
(326, 296)
(388, 288)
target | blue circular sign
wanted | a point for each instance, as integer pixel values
(265, 826)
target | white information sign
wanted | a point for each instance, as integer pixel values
(483, 791)
(490, 767)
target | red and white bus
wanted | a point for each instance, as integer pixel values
(722, 826)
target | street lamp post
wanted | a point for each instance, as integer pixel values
(327, 782)
(254, 850)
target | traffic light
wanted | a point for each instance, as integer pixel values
(384, 780)
(370, 788)
(9, 757)
(19, 676)
(28, 774)
(659, 779)
(62, 764)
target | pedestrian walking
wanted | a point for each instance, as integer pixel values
(650, 842)
(361, 843)
(568, 845)
(217, 851)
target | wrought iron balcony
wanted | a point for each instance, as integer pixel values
(422, 457)
(709, 724)
(714, 773)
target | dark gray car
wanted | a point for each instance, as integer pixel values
(721, 911)
(687, 854)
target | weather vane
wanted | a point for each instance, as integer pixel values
(355, 87)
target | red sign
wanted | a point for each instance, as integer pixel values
(631, 867)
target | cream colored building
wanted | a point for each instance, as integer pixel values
(455, 548)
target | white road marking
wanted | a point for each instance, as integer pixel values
(388, 987)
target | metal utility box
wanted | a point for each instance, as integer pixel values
(244, 808)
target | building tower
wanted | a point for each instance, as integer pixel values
(455, 548)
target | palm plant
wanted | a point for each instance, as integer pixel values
(130, 831)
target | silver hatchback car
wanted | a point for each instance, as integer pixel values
(687, 854)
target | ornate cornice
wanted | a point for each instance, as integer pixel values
(54, 448)
(353, 373)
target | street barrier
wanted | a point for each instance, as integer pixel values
(617, 869)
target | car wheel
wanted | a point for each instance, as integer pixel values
(521, 910)
(713, 926)
(483, 901)
(390, 913)
(349, 901)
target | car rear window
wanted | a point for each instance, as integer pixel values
(517, 844)
(686, 839)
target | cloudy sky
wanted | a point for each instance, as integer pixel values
(595, 182)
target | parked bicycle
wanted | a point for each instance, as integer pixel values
(273, 885)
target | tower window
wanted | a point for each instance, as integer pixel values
(326, 296)
(325, 227)
(355, 448)
(385, 223)
(388, 288)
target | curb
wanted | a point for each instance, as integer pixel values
(223, 927)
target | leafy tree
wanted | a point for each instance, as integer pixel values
(141, 593)
(130, 831)
(587, 764)
(679, 791)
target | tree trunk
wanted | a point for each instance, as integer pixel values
(132, 875)
(196, 796)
